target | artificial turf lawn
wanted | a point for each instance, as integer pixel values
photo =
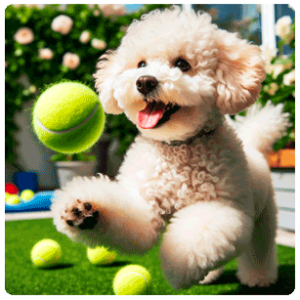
(77, 276)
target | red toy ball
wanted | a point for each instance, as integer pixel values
(11, 188)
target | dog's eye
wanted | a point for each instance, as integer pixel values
(141, 64)
(183, 65)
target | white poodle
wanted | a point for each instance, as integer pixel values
(176, 75)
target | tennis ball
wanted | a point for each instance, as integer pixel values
(6, 196)
(132, 280)
(68, 117)
(46, 253)
(100, 256)
(26, 195)
(13, 199)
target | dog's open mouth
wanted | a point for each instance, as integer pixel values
(155, 114)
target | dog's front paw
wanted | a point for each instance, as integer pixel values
(83, 215)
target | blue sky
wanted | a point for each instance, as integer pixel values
(132, 7)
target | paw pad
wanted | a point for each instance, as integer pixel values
(82, 215)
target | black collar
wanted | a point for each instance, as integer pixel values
(203, 132)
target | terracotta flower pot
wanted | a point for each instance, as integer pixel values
(284, 158)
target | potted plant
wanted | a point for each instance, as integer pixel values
(279, 87)
(73, 165)
(284, 158)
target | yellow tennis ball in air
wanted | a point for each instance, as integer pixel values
(46, 253)
(68, 117)
(100, 256)
(132, 280)
(27, 195)
(13, 199)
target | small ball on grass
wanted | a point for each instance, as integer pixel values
(132, 280)
(46, 253)
(101, 256)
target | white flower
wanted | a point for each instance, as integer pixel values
(277, 69)
(119, 10)
(85, 37)
(62, 7)
(289, 78)
(98, 44)
(283, 26)
(24, 36)
(30, 5)
(17, 5)
(71, 60)
(32, 89)
(46, 53)
(62, 24)
(96, 13)
(41, 6)
(91, 6)
(271, 89)
(107, 9)
(267, 53)
(112, 9)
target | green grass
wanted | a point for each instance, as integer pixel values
(76, 276)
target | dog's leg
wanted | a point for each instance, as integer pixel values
(202, 237)
(98, 211)
(258, 266)
(212, 276)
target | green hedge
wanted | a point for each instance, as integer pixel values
(24, 59)
(279, 85)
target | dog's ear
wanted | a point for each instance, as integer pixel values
(239, 73)
(107, 71)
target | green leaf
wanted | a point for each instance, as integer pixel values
(59, 157)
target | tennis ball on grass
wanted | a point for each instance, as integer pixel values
(26, 195)
(13, 199)
(68, 117)
(100, 256)
(132, 280)
(46, 253)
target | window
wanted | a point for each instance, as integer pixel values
(282, 10)
(242, 18)
(253, 22)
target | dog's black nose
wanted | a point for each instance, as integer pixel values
(145, 84)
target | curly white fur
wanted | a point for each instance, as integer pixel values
(216, 189)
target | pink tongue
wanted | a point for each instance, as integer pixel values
(149, 117)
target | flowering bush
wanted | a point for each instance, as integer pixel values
(48, 43)
(279, 85)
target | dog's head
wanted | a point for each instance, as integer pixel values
(176, 70)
